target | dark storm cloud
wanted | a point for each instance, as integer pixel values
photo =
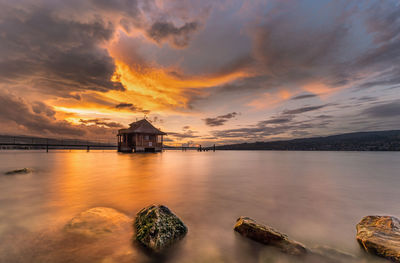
(55, 54)
(304, 109)
(304, 96)
(36, 119)
(123, 105)
(131, 107)
(387, 110)
(220, 120)
(101, 122)
(41, 108)
(180, 36)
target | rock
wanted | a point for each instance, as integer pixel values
(380, 235)
(19, 171)
(266, 235)
(98, 221)
(158, 228)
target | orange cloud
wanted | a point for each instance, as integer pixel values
(317, 88)
(147, 89)
(269, 100)
(158, 90)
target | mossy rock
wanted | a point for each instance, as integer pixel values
(157, 228)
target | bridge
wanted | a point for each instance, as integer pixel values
(25, 142)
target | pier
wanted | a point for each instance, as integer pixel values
(8, 142)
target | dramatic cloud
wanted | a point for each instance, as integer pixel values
(305, 96)
(102, 122)
(53, 53)
(220, 120)
(277, 120)
(387, 110)
(179, 35)
(37, 119)
(124, 105)
(283, 127)
(304, 109)
(131, 107)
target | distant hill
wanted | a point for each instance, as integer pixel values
(357, 141)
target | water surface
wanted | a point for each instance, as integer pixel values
(316, 198)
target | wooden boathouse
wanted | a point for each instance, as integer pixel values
(141, 136)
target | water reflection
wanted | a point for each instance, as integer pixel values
(315, 197)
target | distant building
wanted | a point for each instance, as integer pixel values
(141, 136)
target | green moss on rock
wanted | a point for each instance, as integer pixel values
(157, 228)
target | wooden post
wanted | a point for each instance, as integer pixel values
(214, 148)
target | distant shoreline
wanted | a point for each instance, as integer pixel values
(384, 141)
(356, 141)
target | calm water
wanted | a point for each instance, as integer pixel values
(316, 198)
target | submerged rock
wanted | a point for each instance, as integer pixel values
(19, 171)
(157, 228)
(380, 235)
(266, 235)
(98, 221)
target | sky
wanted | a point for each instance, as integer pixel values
(205, 72)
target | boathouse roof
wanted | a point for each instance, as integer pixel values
(142, 126)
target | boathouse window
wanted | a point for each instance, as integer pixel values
(146, 137)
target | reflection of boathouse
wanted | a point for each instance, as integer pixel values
(141, 136)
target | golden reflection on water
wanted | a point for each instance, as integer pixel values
(82, 180)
